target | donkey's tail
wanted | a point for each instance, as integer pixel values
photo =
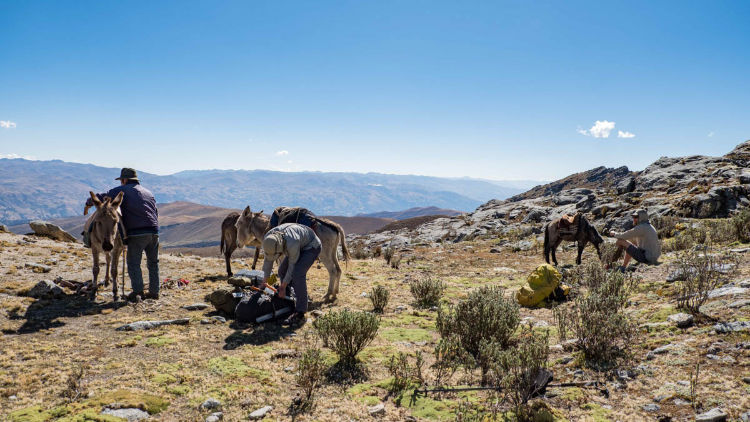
(342, 236)
(546, 241)
(222, 246)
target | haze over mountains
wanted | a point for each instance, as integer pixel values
(55, 189)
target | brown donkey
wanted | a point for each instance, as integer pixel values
(105, 238)
(229, 237)
(573, 229)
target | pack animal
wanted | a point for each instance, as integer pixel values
(105, 239)
(252, 226)
(574, 228)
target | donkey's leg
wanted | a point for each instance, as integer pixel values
(227, 257)
(554, 250)
(255, 257)
(113, 272)
(95, 270)
(108, 258)
(331, 262)
(581, 246)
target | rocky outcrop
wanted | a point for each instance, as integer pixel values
(691, 187)
(43, 228)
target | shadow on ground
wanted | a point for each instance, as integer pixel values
(46, 313)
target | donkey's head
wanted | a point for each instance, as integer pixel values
(104, 230)
(593, 234)
(247, 226)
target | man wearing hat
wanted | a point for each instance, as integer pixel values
(140, 220)
(300, 247)
(641, 242)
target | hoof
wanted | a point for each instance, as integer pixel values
(329, 299)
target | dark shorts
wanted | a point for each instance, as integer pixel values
(639, 254)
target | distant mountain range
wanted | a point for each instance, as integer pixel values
(189, 225)
(55, 189)
(412, 212)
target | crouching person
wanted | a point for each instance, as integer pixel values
(641, 242)
(300, 247)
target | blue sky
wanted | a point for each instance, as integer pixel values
(497, 90)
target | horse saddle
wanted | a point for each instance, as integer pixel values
(569, 221)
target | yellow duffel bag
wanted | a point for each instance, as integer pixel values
(539, 285)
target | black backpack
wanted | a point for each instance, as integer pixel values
(260, 307)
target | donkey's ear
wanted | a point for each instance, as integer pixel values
(95, 199)
(118, 200)
(247, 211)
(259, 212)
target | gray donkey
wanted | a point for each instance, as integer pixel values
(574, 228)
(105, 238)
(252, 226)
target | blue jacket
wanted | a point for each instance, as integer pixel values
(139, 213)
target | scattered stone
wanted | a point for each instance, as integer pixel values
(261, 413)
(219, 318)
(13, 398)
(289, 369)
(746, 380)
(284, 353)
(727, 291)
(651, 407)
(739, 250)
(195, 307)
(38, 268)
(130, 414)
(495, 250)
(730, 327)
(377, 410)
(45, 289)
(713, 415)
(625, 374)
(745, 417)
(682, 320)
(317, 313)
(660, 350)
(43, 228)
(205, 321)
(215, 417)
(211, 404)
(147, 325)
(680, 402)
(400, 308)
(745, 283)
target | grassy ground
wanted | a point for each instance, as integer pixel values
(63, 360)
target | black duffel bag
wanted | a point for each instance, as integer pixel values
(261, 307)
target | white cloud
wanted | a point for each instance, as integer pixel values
(711, 134)
(7, 124)
(626, 134)
(601, 129)
(282, 153)
(14, 156)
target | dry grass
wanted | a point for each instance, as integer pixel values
(175, 368)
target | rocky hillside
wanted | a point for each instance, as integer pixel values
(692, 187)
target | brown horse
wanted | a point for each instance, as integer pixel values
(573, 229)
(105, 238)
(252, 226)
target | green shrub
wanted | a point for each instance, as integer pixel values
(484, 316)
(396, 261)
(610, 253)
(310, 374)
(404, 373)
(741, 222)
(427, 291)
(359, 251)
(603, 330)
(388, 254)
(665, 225)
(702, 272)
(347, 332)
(379, 298)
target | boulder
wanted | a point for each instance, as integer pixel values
(4, 228)
(713, 415)
(44, 228)
(377, 410)
(46, 289)
(681, 320)
(730, 327)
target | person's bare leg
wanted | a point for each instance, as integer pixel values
(623, 244)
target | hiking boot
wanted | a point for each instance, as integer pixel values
(154, 296)
(294, 320)
(135, 297)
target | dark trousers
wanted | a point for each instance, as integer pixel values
(138, 244)
(299, 276)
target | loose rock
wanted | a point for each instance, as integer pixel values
(147, 325)
(651, 407)
(730, 327)
(44, 228)
(38, 268)
(284, 353)
(195, 307)
(377, 410)
(682, 320)
(215, 417)
(211, 404)
(45, 289)
(713, 415)
(261, 413)
(129, 415)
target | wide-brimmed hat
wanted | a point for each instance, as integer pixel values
(127, 173)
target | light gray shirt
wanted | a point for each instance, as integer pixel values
(297, 238)
(645, 237)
